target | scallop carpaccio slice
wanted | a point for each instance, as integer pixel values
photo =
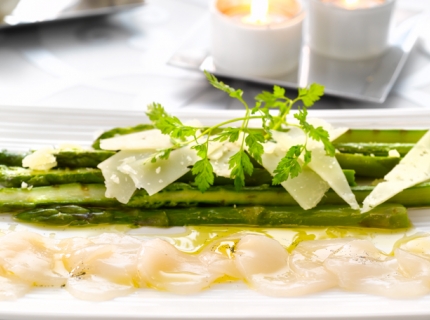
(264, 264)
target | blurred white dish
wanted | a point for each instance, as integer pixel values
(425, 36)
(24, 12)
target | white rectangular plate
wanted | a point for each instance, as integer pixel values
(25, 128)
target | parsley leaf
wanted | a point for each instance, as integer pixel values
(308, 156)
(276, 99)
(168, 124)
(202, 150)
(240, 164)
(223, 87)
(318, 134)
(203, 171)
(311, 95)
(230, 134)
(289, 166)
(254, 142)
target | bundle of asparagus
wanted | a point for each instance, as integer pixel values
(77, 192)
(74, 193)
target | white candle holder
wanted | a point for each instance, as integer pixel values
(266, 50)
(349, 34)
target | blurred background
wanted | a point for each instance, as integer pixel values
(122, 55)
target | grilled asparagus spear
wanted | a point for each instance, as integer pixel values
(185, 195)
(13, 177)
(385, 216)
(65, 159)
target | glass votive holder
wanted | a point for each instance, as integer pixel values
(350, 29)
(245, 45)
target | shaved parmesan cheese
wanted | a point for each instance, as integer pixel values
(334, 133)
(42, 159)
(220, 158)
(143, 141)
(118, 184)
(196, 123)
(394, 154)
(155, 176)
(329, 169)
(414, 168)
(309, 186)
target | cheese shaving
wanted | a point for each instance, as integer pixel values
(155, 176)
(414, 168)
(143, 141)
(42, 159)
(322, 172)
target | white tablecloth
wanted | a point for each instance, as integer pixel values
(120, 62)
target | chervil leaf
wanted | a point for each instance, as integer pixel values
(267, 97)
(272, 100)
(240, 164)
(168, 124)
(278, 92)
(155, 112)
(308, 156)
(311, 95)
(256, 107)
(318, 134)
(289, 166)
(203, 171)
(202, 150)
(230, 134)
(223, 87)
(255, 148)
(165, 153)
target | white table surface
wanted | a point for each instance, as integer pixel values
(120, 62)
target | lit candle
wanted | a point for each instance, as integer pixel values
(256, 37)
(350, 29)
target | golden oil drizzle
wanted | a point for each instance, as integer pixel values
(195, 239)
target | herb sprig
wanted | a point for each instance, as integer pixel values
(250, 140)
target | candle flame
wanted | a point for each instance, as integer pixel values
(259, 10)
(351, 3)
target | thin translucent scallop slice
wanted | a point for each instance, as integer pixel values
(95, 288)
(361, 267)
(32, 258)
(418, 244)
(12, 288)
(218, 257)
(110, 256)
(413, 265)
(164, 267)
(308, 257)
(263, 262)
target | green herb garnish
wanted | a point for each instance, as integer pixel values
(250, 141)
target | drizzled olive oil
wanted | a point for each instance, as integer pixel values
(196, 239)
